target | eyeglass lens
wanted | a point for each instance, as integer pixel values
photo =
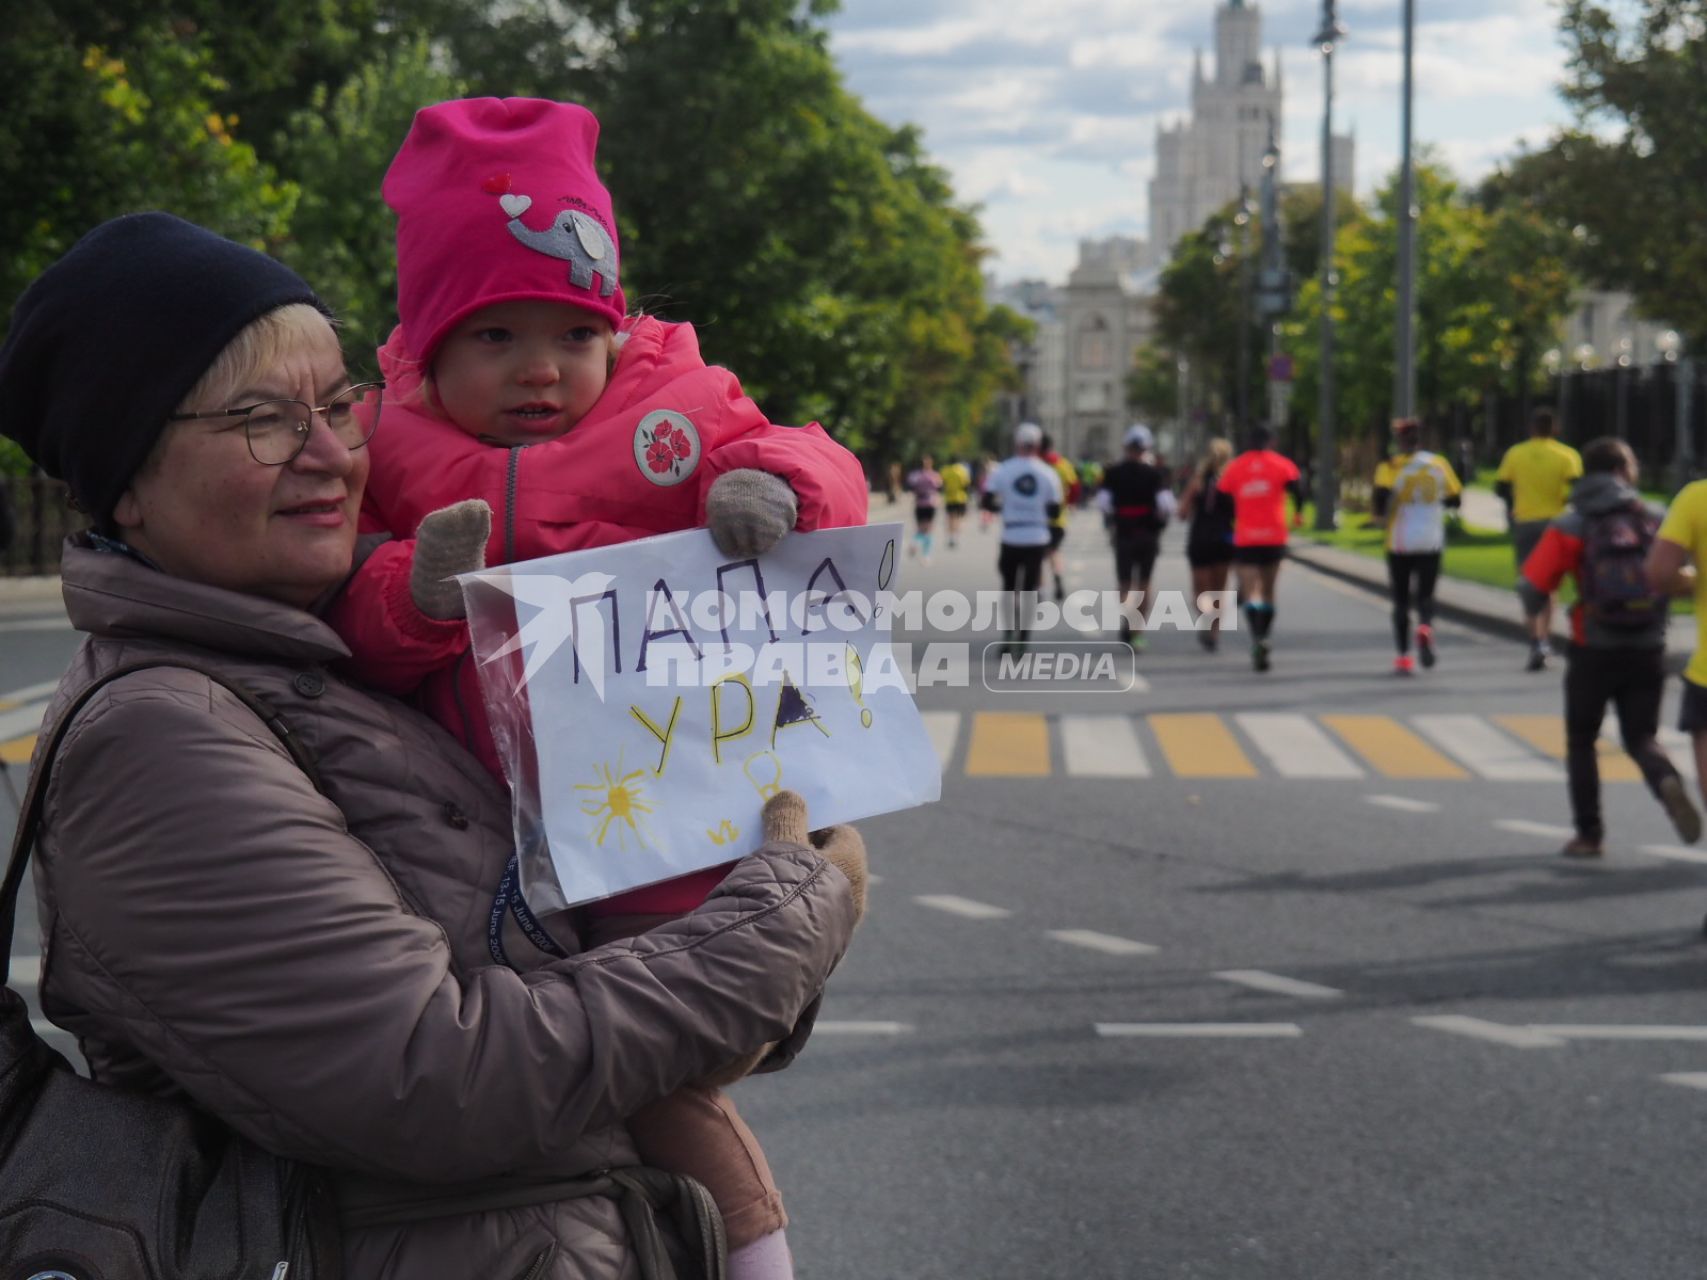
(278, 430)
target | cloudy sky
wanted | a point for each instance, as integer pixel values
(1045, 111)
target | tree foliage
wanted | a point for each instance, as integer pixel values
(1491, 288)
(819, 251)
(1630, 178)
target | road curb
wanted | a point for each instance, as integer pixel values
(1373, 579)
(1371, 575)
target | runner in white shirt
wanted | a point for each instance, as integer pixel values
(1027, 492)
(1413, 489)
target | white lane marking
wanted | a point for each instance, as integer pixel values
(1279, 984)
(1676, 852)
(30, 692)
(26, 971)
(944, 730)
(1688, 1079)
(1570, 1031)
(1524, 827)
(1213, 1030)
(857, 1028)
(1487, 751)
(962, 906)
(1297, 746)
(1404, 804)
(1102, 747)
(1104, 942)
(22, 721)
(1498, 1033)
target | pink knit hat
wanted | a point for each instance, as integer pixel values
(496, 200)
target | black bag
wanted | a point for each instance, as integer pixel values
(101, 1183)
(1613, 577)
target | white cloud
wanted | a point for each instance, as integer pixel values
(1046, 110)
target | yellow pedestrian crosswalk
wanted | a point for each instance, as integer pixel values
(1200, 746)
(1547, 735)
(1391, 749)
(1207, 745)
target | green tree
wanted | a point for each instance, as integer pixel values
(339, 146)
(1152, 385)
(1630, 177)
(1491, 288)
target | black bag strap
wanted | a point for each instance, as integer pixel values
(29, 815)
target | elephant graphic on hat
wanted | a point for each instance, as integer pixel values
(580, 241)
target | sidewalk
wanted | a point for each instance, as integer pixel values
(1472, 603)
(30, 593)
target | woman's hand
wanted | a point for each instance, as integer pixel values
(785, 822)
(450, 541)
(748, 511)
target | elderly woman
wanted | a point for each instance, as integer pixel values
(311, 964)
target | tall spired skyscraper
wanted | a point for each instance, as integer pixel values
(1202, 163)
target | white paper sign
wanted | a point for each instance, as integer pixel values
(648, 697)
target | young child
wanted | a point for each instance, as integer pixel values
(517, 379)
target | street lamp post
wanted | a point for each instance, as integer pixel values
(1273, 284)
(1620, 390)
(1182, 368)
(1670, 344)
(1242, 389)
(1327, 461)
(1405, 363)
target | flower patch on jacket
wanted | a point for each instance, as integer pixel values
(666, 447)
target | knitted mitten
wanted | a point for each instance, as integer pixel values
(785, 821)
(748, 511)
(450, 541)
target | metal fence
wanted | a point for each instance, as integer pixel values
(1639, 404)
(42, 517)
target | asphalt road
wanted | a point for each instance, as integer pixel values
(1302, 995)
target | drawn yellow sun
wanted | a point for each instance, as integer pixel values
(619, 802)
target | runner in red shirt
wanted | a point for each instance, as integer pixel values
(1258, 481)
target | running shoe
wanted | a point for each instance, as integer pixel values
(1425, 644)
(1259, 655)
(1582, 847)
(1537, 659)
(1060, 591)
(1404, 665)
(1680, 809)
(1207, 639)
(1137, 641)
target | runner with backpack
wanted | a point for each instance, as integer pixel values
(1618, 629)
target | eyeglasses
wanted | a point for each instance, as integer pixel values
(278, 430)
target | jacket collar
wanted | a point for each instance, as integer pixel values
(113, 595)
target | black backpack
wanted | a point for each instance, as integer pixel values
(1613, 578)
(103, 1183)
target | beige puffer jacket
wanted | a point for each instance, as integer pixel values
(314, 969)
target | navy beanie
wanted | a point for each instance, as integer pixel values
(109, 340)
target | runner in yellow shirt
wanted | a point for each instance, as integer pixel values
(1674, 568)
(1413, 489)
(1069, 477)
(1534, 481)
(956, 485)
